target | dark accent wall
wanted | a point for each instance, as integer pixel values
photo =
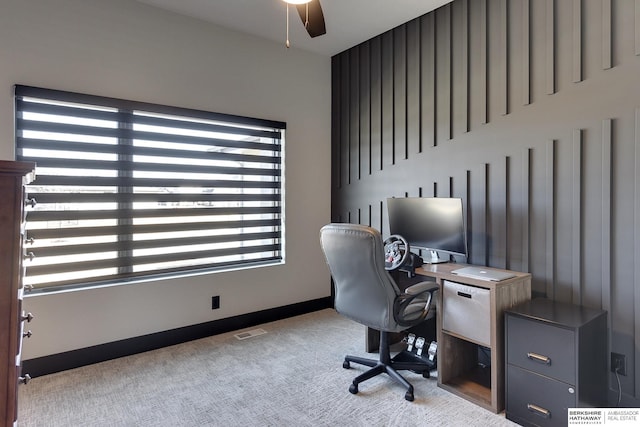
(529, 110)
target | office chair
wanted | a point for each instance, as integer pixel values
(366, 292)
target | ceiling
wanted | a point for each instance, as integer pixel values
(348, 22)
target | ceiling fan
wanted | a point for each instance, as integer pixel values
(310, 13)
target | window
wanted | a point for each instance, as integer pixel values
(128, 190)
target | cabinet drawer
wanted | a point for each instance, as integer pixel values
(533, 399)
(466, 312)
(538, 347)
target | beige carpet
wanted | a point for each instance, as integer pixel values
(290, 376)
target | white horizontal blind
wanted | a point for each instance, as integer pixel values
(126, 190)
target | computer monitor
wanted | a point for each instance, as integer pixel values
(434, 224)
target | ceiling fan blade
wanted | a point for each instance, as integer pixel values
(316, 25)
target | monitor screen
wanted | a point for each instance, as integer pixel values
(433, 224)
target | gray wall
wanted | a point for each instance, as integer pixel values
(529, 111)
(126, 49)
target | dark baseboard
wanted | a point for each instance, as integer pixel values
(99, 353)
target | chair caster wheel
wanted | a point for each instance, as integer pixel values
(426, 374)
(409, 396)
(353, 389)
(346, 364)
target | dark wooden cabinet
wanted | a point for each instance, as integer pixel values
(556, 359)
(13, 177)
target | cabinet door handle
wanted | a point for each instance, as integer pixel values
(539, 410)
(539, 358)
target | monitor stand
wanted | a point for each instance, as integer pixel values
(432, 257)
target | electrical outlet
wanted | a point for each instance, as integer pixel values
(215, 302)
(619, 363)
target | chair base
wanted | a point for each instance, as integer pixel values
(386, 365)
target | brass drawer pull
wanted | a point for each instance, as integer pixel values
(539, 410)
(539, 358)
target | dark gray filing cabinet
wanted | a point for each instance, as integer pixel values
(556, 359)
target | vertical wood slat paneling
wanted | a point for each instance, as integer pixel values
(526, 52)
(468, 217)
(636, 241)
(477, 180)
(486, 204)
(386, 56)
(428, 80)
(355, 161)
(365, 110)
(637, 29)
(526, 209)
(375, 98)
(607, 145)
(465, 194)
(550, 227)
(498, 212)
(444, 78)
(464, 64)
(449, 61)
(577, 41)
(576, 218)
(335, 122)
(550, 47)
(484, 91)
(504, 52)
(344, 120)
(451, 183)
(413, 86)
(400, 93)
(507, 212)
(606, 34)
(420, 59)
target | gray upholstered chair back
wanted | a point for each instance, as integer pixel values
(365, 292)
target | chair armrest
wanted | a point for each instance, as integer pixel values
(419, 293)
(421, 287)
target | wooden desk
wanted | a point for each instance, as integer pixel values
(458, 370)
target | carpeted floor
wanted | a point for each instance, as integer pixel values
(290, 376)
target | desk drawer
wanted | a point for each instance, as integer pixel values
(466, 312)
(536, 400)
(538, 347)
